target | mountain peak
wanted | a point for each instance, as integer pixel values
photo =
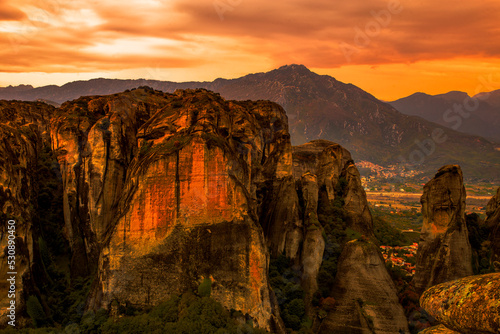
(453, 96)
(295, 67)
(19, 88)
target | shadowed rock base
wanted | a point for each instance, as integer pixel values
(493, 222)
(366, 295)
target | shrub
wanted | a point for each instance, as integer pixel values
(296, 307)
(168, 310)
(205, 288)
(35, 311)
(145, 148)
(328, 303)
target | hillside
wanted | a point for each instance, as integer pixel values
(481, 113)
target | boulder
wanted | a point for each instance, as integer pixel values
(467, 305)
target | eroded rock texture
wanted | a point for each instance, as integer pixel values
(493, 222)
(440, 329)
(365, 294)
(23, 134)
(333, 166)
(444, 252)
(162, 191)
(467, 305)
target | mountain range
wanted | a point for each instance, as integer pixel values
(321, 107)
(477, 115)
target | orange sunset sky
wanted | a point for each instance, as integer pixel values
(390, 48)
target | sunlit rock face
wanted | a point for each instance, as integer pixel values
(95, 141)
(164, 190)
(444, 252)
(23, 134)
(467, 305)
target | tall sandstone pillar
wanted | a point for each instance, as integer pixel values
(444, 252)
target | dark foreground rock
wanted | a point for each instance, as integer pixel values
(467, 305)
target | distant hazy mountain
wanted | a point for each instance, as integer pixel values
(320, 107)
(478, 115)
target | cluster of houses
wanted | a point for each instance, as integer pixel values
(403, 257)
(386, 172)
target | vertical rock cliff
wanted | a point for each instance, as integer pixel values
(366, 297)
(23, 136)
(444, 252)
(337, 176)
(177, 188)
(493, 223)
(335, 209)
(159, 192)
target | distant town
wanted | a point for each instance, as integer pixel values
(392, 171)
(403, 257)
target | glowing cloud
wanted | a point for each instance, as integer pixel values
(367, 44)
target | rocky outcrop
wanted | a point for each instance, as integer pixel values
(467, 305)
(314, 243)
(160, 192)
(444, 252)
(493, 223)
(279, 215)
(366, 298)
(336, 173)
(95, 141)
(365, 294)
(177, 188)
(493, 210)
(23, 134)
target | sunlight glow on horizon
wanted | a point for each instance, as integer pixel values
(415, 50)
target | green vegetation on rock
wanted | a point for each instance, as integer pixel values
(388, 235)
(285, 282)
(184, 314)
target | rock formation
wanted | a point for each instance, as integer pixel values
(314, 243)
(366, 296)
(23, 134)
(169, 188)
(334, 168)
(467, 305)
(325, 172)
(444, 252)
(493, 223)
(159, 192)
